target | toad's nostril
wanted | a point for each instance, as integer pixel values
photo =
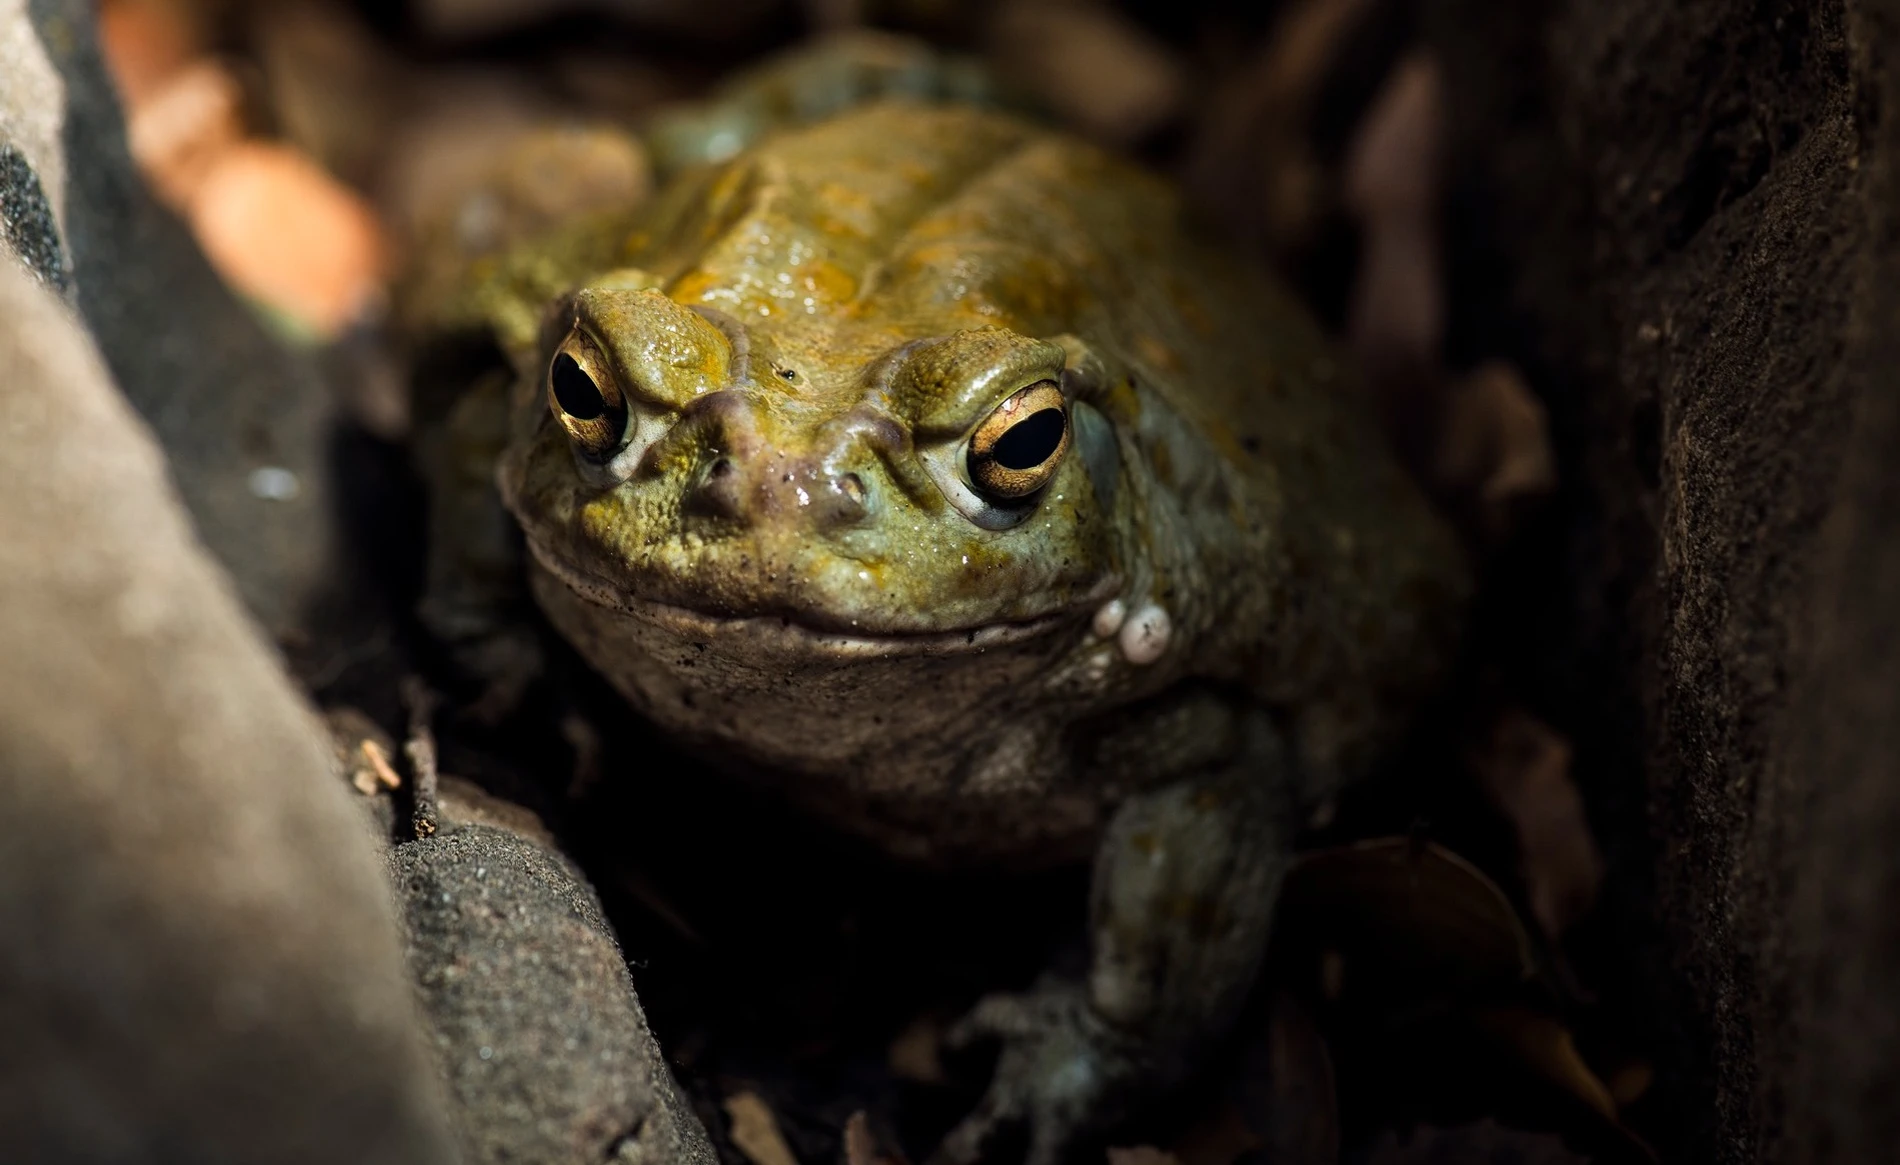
(716, 495)
(840, 501)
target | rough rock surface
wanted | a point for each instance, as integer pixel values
(27, 227)
(224, 398)
(197, 960)
(547, 1055)
(1680, 219)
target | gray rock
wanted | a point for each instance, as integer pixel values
(198, 961)
(1695, 208)
(546, 1052)
(245, 421)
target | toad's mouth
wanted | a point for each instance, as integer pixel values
(817, 633)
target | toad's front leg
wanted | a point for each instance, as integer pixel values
(1180, 908)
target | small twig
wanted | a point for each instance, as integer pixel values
(383, 772)
(420, 749)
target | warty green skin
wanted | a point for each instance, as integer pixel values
(780, 567)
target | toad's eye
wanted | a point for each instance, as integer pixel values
(586, 400)
(1016, 450)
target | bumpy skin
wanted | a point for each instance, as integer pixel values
(785, 565)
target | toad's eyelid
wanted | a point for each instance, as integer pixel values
(665, 354)
(978, 402)
(594, 355)
(954, 384)
(958, 427)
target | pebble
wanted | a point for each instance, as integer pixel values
(274, 483)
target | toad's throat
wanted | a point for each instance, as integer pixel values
(816, 632)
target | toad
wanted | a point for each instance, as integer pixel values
(924, 462)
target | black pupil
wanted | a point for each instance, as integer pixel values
(575, 391)
(1031, 441)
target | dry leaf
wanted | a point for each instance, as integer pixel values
(144, 43)
(334, 87)
(1391, 172)
(1493, 448)
(1481, 442)
(1252, 163)
(755, 1131)
(1397, 317)
(916, 1054)
(861, 1145)
(1288, 1090)
(1525, 768)
(182, 126)
(1545, 1045)
(286, 233)
(1407, 918)
(1063, 52)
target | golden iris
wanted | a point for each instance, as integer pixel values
(1016, 450)
(585, 397)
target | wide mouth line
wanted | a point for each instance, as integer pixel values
(788, 626)
(818, 633)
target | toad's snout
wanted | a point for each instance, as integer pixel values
(727, 491)
(749, 473)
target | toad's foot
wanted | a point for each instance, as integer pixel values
(1063, 1078)
(1179, 912)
